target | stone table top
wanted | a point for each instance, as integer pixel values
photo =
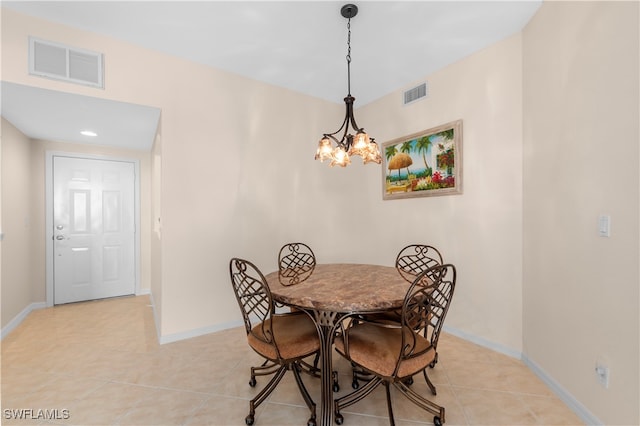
(343, 287)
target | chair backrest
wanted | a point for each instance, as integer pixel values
(416, 258)
(425, 307)
(254, 298)
(296, 262)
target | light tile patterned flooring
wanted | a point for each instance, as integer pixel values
(101, 361)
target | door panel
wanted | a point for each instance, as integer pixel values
(94, 229)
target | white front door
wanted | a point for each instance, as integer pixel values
(94, 229)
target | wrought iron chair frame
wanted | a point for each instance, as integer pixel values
(416, 258)
(258, 312)
(410, 262)
(296, 262)
(423, 307)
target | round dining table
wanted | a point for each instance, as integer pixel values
(328, 292)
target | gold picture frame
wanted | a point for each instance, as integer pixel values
(423, 164)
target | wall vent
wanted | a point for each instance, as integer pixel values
(66, 63)
(416, 93)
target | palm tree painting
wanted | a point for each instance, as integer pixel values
(427, 163)
(423, 146)
(389, 152)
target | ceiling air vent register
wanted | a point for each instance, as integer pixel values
(416, 93)
(66, 63)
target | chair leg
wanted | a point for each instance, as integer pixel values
(426, 378)
(310, 369)
(316, 359)
(264, 393)
(358, 374)
(267, 368)
(421, 402)
(354, 397)
(305, 394)
(392, 421)
(434, 362)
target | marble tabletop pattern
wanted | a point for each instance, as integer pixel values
(343, 288)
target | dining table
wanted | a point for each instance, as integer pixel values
(330, 292)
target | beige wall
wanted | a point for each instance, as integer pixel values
(479, 231)
(581, 159)
(156, 229)
(18, 222)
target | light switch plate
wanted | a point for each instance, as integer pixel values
(604, 225)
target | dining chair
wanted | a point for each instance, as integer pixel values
(283, 339)
(391, 352)
(296, 262)
(416, 258)
(410, 262)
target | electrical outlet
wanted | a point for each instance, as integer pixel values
(602, 372)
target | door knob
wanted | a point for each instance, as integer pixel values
(59, 237)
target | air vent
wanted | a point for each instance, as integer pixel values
(66, 63)
(416, 93)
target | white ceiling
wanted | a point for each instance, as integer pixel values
(301, 45)
(52, 115)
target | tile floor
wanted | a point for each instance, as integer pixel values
(99, 363)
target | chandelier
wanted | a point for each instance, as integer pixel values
(348, 145)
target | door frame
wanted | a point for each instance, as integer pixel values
(49, 213)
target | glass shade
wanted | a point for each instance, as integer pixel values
(340, 158)
(325, 150)
(372, 154)
(360, 144)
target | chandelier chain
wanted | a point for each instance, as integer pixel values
(349, 56)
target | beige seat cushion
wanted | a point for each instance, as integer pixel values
(377, 349)
(295, 335)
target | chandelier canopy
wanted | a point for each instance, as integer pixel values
(360, 143)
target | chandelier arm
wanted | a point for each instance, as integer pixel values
(352, 119)
(344, 126)
(332, 137)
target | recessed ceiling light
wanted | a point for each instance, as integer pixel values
(88, 133)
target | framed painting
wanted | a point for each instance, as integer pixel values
(423, 164)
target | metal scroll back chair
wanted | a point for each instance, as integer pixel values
(416, 258)
(284, 339)
(410, 262)
(296, 262)
(392, 352)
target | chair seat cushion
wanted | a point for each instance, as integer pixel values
(377, 349)
(294, 333)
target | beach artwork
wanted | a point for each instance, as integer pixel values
(426, 163)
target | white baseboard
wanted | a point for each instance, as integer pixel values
(582, 411)
(483, 342)
(143, 292)
(199, 332)
(156, 318)
(20, 317)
